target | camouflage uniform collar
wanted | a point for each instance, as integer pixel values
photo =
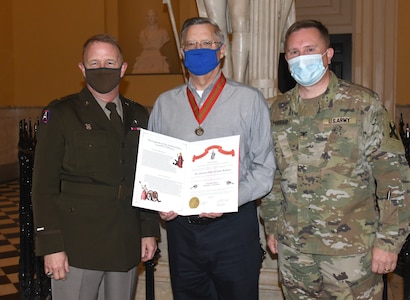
(327, 97)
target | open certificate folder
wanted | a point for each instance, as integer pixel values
(187, 177)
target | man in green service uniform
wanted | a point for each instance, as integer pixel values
(91, 237)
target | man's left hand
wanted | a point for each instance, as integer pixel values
(382, 261)
(210, 215)
(148, 248)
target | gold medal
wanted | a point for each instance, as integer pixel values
(194, 202)
(199, 131)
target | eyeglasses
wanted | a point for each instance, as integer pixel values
(190, 45)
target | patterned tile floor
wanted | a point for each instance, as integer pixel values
(10, 246)
(9, 240)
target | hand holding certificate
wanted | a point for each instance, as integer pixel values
(187, 177)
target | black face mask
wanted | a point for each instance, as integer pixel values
(103, 80)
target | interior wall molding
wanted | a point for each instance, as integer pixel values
(336, 14)
(375, 48)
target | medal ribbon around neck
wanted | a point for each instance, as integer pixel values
(201, 113)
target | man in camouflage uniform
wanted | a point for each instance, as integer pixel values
(338, 212)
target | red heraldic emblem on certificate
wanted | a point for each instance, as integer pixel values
(187, 177)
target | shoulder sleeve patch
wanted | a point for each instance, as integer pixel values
(45, 116)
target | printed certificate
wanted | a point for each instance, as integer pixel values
(187, 177)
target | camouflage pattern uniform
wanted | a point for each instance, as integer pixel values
(342, 180)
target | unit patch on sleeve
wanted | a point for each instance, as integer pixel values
(46, 116)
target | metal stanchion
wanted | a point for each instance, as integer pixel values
(405, 136)
(149, 276)
(403, 268)
(34, 285)
(403, 264)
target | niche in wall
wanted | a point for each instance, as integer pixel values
(146, 36)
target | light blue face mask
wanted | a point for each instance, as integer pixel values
(201, 61)
(307, 69)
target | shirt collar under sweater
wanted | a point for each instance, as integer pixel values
(200, 100)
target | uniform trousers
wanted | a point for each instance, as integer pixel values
(314, 276)
(216, 260)
(83, 284)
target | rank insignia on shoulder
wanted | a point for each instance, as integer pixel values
(46, 116)
(88, 126)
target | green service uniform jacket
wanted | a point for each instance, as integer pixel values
(83, 183)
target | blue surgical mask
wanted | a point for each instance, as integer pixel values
(201, 61)
(307, 69)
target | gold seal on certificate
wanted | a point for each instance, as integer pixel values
(194, 202)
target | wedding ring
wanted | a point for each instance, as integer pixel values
(386, 270)
(50, 275)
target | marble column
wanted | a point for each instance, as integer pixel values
(269, 22)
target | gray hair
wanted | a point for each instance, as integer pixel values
(200, 20)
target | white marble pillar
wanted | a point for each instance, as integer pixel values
(269, 22)
(232, 17)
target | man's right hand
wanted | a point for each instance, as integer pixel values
(168, 216)
(57, 265)
(272, 243)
